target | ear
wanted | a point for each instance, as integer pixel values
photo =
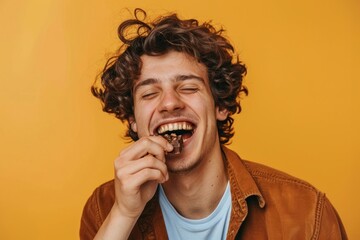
(132, 123)
(221, 114)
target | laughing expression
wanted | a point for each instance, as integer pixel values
(172, 95)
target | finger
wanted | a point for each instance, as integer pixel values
(136, 180)
(154, 145)
(149, 161)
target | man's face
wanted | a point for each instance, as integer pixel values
(173, 94)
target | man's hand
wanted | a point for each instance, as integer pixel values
(138, 171)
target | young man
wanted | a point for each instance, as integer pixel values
(179, 77)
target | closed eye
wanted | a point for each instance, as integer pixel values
(189, 89)
(149, 95)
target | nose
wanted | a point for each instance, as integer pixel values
(170, 101)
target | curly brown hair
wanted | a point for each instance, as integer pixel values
(166, 33)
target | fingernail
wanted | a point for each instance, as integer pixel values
(169, 147)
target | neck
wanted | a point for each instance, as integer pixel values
(196, 194)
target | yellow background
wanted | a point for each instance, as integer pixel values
(302, 114)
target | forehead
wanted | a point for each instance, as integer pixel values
(170, 64)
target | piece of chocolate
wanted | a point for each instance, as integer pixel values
(176, 141)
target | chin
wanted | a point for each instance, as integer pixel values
(180, 166)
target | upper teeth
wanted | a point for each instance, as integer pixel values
(174, 126)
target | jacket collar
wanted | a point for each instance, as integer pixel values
(242, 183)
(242, 186)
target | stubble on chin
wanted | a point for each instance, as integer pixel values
(180, 167)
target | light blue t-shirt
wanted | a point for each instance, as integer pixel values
(214, 226)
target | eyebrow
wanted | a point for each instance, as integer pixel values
(178, 78)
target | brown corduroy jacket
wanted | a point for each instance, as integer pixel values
(266, 204)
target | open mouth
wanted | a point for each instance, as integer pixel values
(183, 129)
(176, 134)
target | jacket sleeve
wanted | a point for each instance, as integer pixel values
(329, 224)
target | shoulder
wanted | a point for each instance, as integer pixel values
(103, 199)
(105, 190)
(297, 201)
(288, 197)
(96, 209)
(265, 175)
(284, 191)
(272, 184)
(286, 194)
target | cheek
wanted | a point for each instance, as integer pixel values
(204, 107)
(143, 115)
